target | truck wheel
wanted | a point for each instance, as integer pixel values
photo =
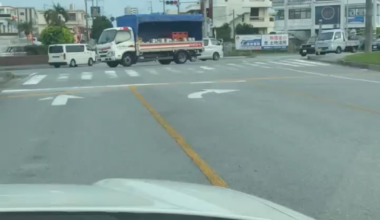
(180, 57)
(113, 64)
(127, 60)
(338, 50)
(165, 62)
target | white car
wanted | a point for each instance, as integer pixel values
(213, 49)
(71, 54)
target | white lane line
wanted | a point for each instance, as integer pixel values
(233, 64)
(206, 68)
(86, 76)
(63, 77)
(251, 64)
(262, 63)
(334, 76)
(152, 71)
(286, 64)
(132, 73)
(301, 64)
(35, 80)
(312, 62)
(171, 70)
(106, 86)
(111, 74)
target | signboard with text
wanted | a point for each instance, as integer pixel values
(95, 11)
(259, 42)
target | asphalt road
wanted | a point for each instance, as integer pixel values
(299, 133)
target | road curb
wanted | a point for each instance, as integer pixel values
(10, 68)
(5, 76)
(347, 63)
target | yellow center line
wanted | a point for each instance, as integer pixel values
(211, 175)
(287, 91)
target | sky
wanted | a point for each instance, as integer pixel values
(111, 7)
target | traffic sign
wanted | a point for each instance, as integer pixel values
(95, 11)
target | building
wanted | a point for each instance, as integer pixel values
(8, 20)
(76, 22)
(301, 17)
(131, 10)
(254, 12)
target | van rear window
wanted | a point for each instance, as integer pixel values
(74, 48)
(55, 49)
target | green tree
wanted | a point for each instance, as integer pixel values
(56, 35)
(245, 29)
(224, 32)
(54, 16)
(26, 27)
(98, 25)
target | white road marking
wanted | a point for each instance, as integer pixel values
(311, 62)
(63, 77)
(132, 73)
(106, 86)
(262, 63)
(251, 64)
(286, 64)
(194, 70)
(111, 74)
(300, 63)
(86, 76)
(35, 80)
(62, 99)
(206, 68)
(199, 95)
(152, 71)
(171, 70)
(233, 64)
(335, 76)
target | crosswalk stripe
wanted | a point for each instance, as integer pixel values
(86, 76)
(111, 74)
(132, 73)
(35, 80)
(261, 63)
(301, 64)
(286, 64)
(63, 77)
(233, 64)
(152, 71)
(171, 70)
(206, 68)
(261, 66)
(311, 62)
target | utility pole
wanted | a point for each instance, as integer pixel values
(286, 16)
(204, 13)
(85, 5)
(233, 23)
(163, 6)
(368, 26)
(178, 5)
(150, 7)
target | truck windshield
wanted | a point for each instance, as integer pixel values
(326, 36)
(107, 36)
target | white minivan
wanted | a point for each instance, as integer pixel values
(71, 54)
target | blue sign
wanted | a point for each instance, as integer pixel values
(356, 20)
(95, 11)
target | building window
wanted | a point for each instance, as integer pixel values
(72, 17)
(22, 13)
(255, 12)
(280, 15)
(300, 13)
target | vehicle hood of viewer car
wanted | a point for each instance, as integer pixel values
(142, 196)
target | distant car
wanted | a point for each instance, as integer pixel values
(14, 51)
(71, 54)
(213, 49)
(309, 47)
(376, 45)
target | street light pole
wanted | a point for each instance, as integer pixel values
(85, 5)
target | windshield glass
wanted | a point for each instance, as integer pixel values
(326, 36)
(107, 36)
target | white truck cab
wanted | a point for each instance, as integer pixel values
(334, 41)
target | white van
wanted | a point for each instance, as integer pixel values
(213, 49)
(71, 54)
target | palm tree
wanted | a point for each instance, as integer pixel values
(26, 27)
(54, 16)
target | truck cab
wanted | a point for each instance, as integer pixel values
(113, 43)
(334, 41)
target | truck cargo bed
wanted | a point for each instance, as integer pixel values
(170, 46)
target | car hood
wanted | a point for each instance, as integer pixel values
(142, 196)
